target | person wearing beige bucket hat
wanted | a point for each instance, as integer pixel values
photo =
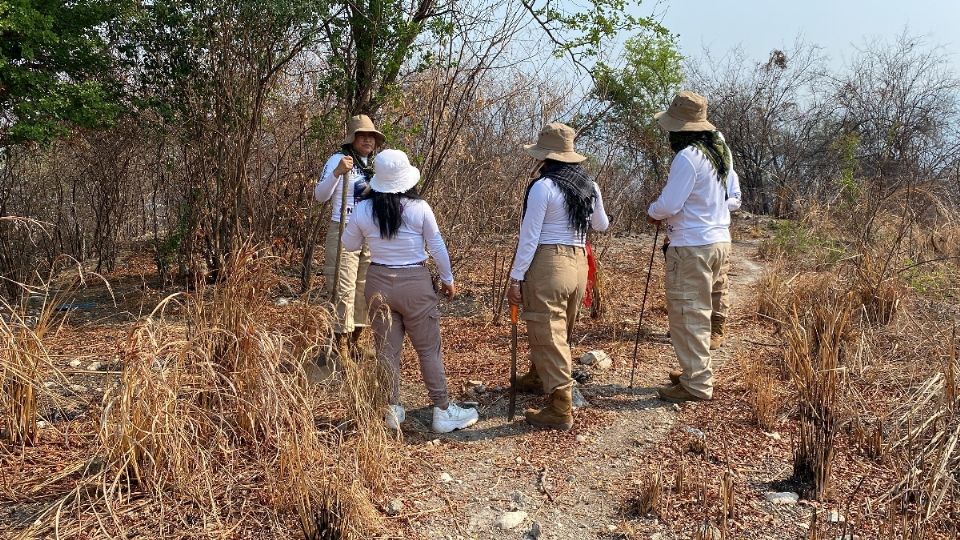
(695, 204)
(549, 273)
(344, 282)
(401, 230)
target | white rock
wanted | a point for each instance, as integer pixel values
(95, 366)
(78, 388)
(282, 301)
(511, 520)
(446, 478)
(394, 507)
(592, 357)
(49, 384)
(75, 363)
(604, 364)
(783, 497)
(41, 424)
(834, 516)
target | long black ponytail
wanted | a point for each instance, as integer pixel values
(388, 210)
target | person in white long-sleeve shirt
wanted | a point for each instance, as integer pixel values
(344, 284)
(549, 273)
(694, 207)
(400, 229)
(720, 297)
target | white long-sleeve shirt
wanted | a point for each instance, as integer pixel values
(546, 222)
(417, 235)
(329, 186)
(693, 203)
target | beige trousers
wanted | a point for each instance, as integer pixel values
(402, 302)
(720, 293)
(349, 302)
(552, 291)
(694, 281)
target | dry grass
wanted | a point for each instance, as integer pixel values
(650, 495)
(762, 393)
(25, 363)
(926, 442)
(817, 336)
(213, 412)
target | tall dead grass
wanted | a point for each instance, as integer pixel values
(213, 410)
(926, 444)
(817, 335)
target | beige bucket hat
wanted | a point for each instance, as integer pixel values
(687, 112)
(555, 142)
(362, 123)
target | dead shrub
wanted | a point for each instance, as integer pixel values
(762, 394)
(650, 497)
(771, 295)
(25, 363)
(816, 342)
(879, 290)
(926, 443)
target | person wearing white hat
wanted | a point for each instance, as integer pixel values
(549, 274)
(695, 204)
(344, 284)
(400, 229)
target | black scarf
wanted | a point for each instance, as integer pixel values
(711, 144)
(366, 171)
(577, 191)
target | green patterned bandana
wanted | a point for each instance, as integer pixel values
(712, 146)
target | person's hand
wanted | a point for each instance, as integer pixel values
(448, 290)
(652, 221)
(345, 166)
(514, 294)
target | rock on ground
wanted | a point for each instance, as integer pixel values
(511, 520)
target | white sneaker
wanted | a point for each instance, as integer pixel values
(445, 421)
(395, 416)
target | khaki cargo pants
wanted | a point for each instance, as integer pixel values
(553, 289)
(349, 302)
(696, 285)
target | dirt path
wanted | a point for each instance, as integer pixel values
(570, 485)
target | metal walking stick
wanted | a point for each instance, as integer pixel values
(643, 304)
(514, 321)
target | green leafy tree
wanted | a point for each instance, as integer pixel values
(56, 67)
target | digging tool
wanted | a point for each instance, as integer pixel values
(643, 304)
(514, 321)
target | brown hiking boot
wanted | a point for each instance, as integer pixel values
(558, 414)
(530, 382)
(716, 331)
(677, 394)
(675, 376)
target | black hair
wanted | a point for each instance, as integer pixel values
(388, 210)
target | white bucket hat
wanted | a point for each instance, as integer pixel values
(394, 173)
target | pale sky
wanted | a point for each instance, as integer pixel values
(837, 25)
